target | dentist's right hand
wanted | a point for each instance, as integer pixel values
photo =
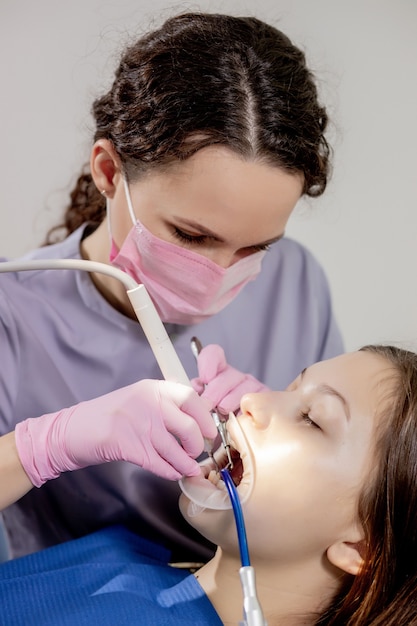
(158, 425)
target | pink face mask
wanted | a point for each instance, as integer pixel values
(185, 287)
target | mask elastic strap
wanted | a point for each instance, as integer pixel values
(129, 206)
(108, 219)
(129, 201)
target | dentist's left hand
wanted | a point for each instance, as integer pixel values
(221, 385)
(139, 423)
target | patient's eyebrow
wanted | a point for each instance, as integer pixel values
(331, 391)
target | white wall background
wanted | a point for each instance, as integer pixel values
(56, 56)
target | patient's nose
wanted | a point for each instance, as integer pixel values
(259, 407)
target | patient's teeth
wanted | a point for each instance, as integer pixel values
(215, 478)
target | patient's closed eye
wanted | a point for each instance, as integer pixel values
(307, 419)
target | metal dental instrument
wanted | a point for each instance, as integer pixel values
(219, 419)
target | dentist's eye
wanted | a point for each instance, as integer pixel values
(307, 420)
(261, 247)
(187, 238)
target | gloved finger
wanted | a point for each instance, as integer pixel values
(211, 362)
(197, 385)
(190, 403)
(168, 460)
(231, 402)
(176, 457)
(219, 388)
(153, 446)
(186, 430)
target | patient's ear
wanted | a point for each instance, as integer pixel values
(347, 556)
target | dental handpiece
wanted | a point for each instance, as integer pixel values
(160, 343)
(196, 347)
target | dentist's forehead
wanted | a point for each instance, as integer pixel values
(207, 184)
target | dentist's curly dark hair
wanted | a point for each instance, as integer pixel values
(202, 80)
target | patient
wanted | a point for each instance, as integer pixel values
(327, 477)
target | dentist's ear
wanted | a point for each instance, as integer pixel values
(347, 556)
(104, 166)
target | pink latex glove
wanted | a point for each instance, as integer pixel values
(220, 384)
(137, 423)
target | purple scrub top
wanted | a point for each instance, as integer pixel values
(61, 342)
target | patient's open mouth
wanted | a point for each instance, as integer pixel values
(236, 471)
(208, 490)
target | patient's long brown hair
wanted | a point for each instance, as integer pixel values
(385, 592)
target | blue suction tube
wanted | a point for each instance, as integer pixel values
(240, 523)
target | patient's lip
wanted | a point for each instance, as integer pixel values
(203, 493)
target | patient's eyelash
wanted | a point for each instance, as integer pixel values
(307, 419)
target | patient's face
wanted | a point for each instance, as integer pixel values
(306, 453)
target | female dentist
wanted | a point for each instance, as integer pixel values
(210, 133)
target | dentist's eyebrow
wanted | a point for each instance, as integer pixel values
(202, 230)
(330, 391)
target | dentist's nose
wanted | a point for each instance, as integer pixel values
(226, 257)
